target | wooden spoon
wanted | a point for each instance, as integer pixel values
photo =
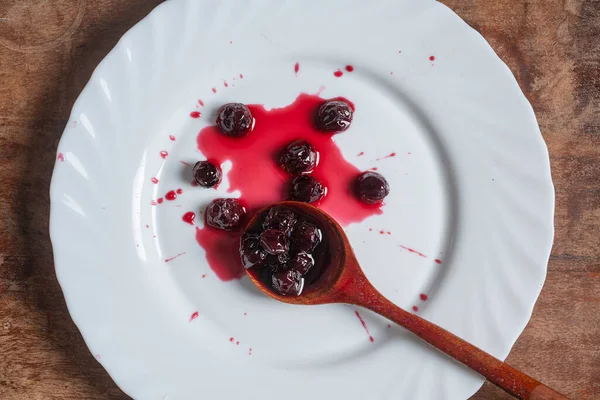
(343, 281)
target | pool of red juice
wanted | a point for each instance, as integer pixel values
(257, 176)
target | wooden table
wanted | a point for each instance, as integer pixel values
(48, 49)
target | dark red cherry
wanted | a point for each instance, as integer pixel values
(371, 187)
(306, 236)
(287, 282)
(274, 242)
(301, 263)
(298, 157)
(307, 189)
(235, 119)
(334, 116)
(225, 214)
(251, 254)
(207, 174)
(281, 219)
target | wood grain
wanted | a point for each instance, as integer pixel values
(48, 49)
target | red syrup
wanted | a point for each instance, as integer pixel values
(256, 175)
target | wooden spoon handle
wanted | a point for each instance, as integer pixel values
(499, 373)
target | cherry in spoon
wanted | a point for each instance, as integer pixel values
(343, 281)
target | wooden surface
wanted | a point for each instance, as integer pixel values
(48, 49)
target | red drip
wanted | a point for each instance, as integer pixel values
(349, 68)
(195, 114)
(61, 157)
(296, 68)
(338, 73)
(423, 296)
(362, 321)
(172, 137)
(163, 154)
(154, 180)
(194, 316)
(171, 195)
(189, 217)
(174, 257)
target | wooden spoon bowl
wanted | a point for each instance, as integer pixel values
(343, 281)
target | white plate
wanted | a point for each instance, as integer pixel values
(471, 186)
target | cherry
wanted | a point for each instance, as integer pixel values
(287, 283)
(372, 187)
(298, 157)
(207, 174)
(274, 242)
(334, 116)
(251, 254)
(307, 189)
(301, 263)
(306, 236)
(281, 219)
(225, 214)
(235, 119)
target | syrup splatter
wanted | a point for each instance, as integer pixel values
(362, 321)
(194, 316)
(413, 251)
(154, 180)
(201, 103)
(225, 84)
(163, 154)
(438, 261)
(362, 153)
(432, 58)
(185, 163)
(195, 114)
(415, 308)
(172, 137)
(296, 68)
(174, 257)
(388, 156)
(61, 157)
(338, 73)
(189, 217)
(171, 195)
(423, 296)
(349, 68)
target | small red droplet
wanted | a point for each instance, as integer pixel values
(250, 351)
(362, 153)
(194, 316)
(432, 58)
(423, 296)
(389, 233)
(172, 137)
(231, 41)
(389, 326)
(160, 200)
(201, 103)
(374, 169)
(163, 154)
(338, 73)
(237, 343)
(61, 157)
(179, 191)
(195, 114)
(415, 308)
(241, 76)
(349, 68)
(171, 195)
(225, 84)
(382, 232)
(231, 339)
(203, 275)
(370, 229)
(245, 314)
(152, 203)
(214, 90)
(438, 261)
(296, 68)
(189, 217)
(154, 180)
